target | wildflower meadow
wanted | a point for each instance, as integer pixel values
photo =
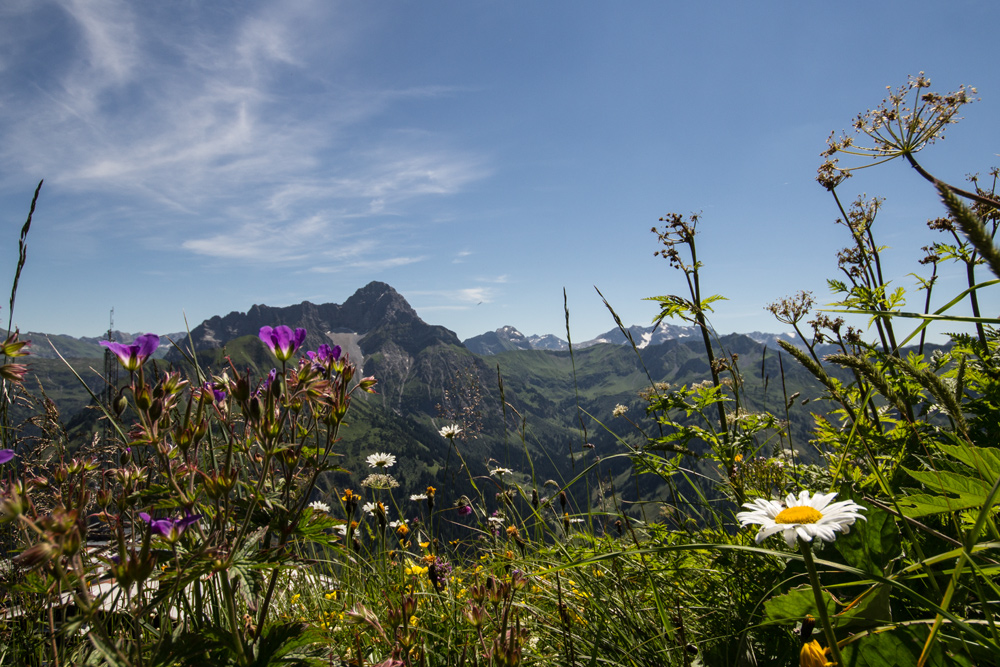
(200, 530)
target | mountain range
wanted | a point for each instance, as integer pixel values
(508, 338)
(524, 403)
(370, 307)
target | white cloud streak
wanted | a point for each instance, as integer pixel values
(181, 119)
(455, 299)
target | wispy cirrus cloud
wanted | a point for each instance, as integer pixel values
(454, 299)
(162, 113)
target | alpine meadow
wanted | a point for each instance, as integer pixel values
(346, 484)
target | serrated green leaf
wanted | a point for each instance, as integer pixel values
(985, 461)
(957, 492)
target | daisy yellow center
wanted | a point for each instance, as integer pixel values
(798, 515)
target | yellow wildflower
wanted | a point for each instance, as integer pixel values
(813, 655)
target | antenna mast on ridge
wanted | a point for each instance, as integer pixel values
(110, 379)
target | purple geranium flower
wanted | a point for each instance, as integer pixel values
(282, 341)
(213, 389)
(324, 357)
(169, 529)
(134, 355)
(6, 455)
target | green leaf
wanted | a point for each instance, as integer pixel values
(279, 642)
(983, 460)
(956, 492)
(873, 543)
(899, 647)
(794, 605)
(871, 608)
(952, 491)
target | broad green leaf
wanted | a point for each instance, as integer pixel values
(794, 605)
(873, 543)
(870, 608)
(898, 647)
(985, 461)
(921, 504)
(959, 492)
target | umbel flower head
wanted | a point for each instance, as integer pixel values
(132, 356)
(282, 341)
(803, 517)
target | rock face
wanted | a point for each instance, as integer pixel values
(503, 339)
(375, 313)
(373, 316)
(378, 329)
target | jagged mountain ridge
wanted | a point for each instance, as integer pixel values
(374, 314)
(376, 326)
(508, 338)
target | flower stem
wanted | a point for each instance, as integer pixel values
(824, 618)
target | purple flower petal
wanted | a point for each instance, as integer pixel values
(282, 341)
(147, 345)
(187, 521)
(162, 527)
(6, 455)
(134, 355)
(266, 336)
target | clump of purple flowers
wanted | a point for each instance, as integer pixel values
(438, 573)
(324, 357)
(133, 355)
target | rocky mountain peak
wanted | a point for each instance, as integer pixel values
(376, 314)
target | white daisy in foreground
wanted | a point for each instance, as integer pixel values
(380, 460)
(450, 431)
(319, 506)
(802, 517)
(418, 497)
(499, 472)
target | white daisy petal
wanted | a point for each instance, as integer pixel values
(380, 460)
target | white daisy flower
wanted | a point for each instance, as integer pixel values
(319, 506)
(803, 517)
(495, 520)
(450, 431)
(380, 460)
(340, 529)
(497, 472)
(418, 497)
(375, 509)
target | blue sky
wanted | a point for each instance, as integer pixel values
(480, 156)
